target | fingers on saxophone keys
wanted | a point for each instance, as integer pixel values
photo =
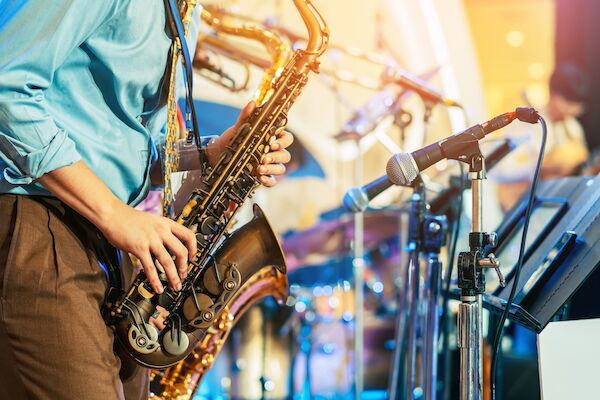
(166, 261)
(188, 238)
(267, 180)
(277, 157)
(151, 273)
(284, 140)
(180, 253)
(271, 169)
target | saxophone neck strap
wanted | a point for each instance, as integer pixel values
(178, 34)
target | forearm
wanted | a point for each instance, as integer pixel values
(79, 187)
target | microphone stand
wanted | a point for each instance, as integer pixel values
(426, 236)
(471, 282)
(415, 236)
(435, 228)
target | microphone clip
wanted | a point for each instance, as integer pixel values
(464, 147)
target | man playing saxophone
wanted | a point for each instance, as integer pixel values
(81, 115)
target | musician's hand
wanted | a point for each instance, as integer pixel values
(149, 237)
(273, 163)
(215, 149)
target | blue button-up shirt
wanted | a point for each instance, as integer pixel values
(81, 80)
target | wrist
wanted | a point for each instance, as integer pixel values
(106, 213)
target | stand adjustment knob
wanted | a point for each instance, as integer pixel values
(492, 262)
(492, 239)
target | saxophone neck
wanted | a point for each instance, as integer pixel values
(318, 32)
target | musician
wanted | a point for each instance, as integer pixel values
(82, 107)
(566, 147)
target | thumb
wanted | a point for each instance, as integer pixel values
(245, 113)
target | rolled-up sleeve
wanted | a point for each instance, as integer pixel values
(36, 36)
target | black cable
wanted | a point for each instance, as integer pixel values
(531, 200)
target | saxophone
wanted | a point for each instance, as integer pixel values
(230, 272)
(182, 380)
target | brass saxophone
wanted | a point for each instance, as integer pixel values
(182, 380)
(230, 272)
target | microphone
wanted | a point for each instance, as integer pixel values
(417, 85)
(357, 199)
(403, 168)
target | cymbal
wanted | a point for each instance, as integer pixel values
(333, 238)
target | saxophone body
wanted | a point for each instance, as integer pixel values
(230, 272)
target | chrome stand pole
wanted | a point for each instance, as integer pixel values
(359, 283)
(471, 281)
(470, 339)
(413, 326)
(470, 335)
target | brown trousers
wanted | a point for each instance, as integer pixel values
(54, 343)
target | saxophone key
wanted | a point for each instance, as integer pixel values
(209, 225)
(197, 306)
(175, 342)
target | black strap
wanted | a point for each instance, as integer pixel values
(177, 30)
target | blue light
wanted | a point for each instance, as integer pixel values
(378, 287)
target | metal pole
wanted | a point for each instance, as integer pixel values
(413, 324)
(359, 283)
(430, 357)
(470, 335)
